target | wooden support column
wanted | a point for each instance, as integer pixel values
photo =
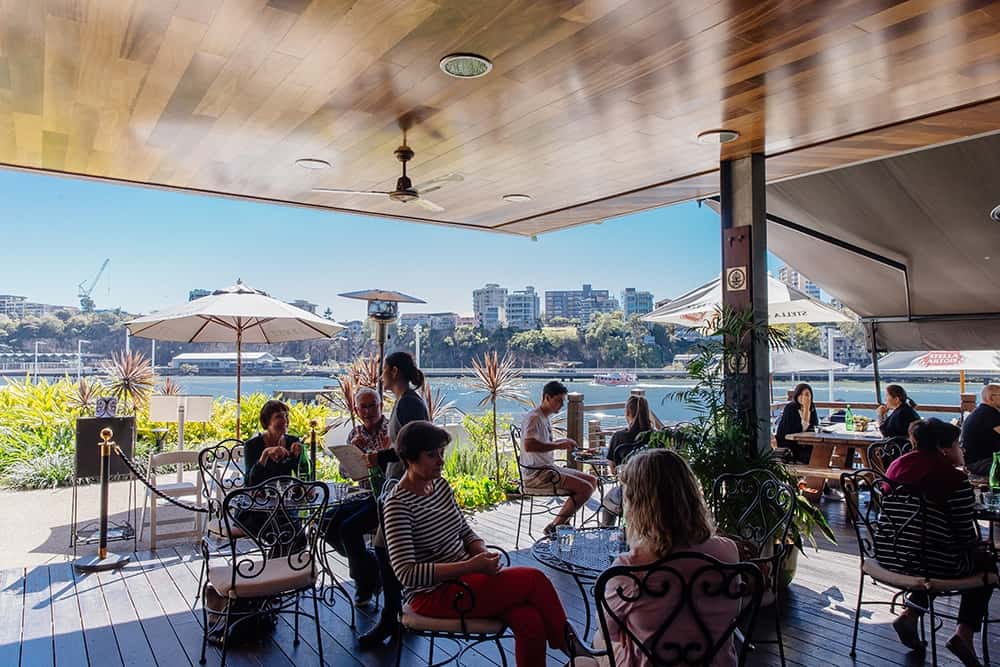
(744, 285)
(574, 423)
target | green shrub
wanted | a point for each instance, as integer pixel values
(46, 471)
(476, 493)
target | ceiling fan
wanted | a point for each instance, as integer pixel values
(405, 190)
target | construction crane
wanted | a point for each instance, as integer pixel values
(84, 291)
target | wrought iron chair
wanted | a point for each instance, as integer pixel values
(890, 522)
(222, 470)
(683, 582)
(757, 508)
(881, 454)
(550, 488)
(279, 520)
(463, 629)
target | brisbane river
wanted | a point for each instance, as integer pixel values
(659, 392)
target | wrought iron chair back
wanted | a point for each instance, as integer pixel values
(553, 477)
(687, 583)
(881, 454)
(755, 506)
(280, 518)
(223, 468)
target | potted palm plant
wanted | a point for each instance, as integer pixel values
(499, 378)
(721, 439)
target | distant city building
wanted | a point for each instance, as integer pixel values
(227, 361)
(636, 303)
(433, 321)
(522, 309)
(487, 304)
(198, 293)
(467, 320)
(304, 305)
(12, 306)
(354, 327)
(793, 278)
(579, 304)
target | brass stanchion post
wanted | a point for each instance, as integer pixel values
(312, 449)
(103, 560)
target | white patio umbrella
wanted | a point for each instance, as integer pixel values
(785, 305)
(238, 314)
(944, 361)
(799, 361)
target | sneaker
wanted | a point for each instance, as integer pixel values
(835, 495)
(963, 651)
(905, 626)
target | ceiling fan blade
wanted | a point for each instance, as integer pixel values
(429, 205)
(444, 178)
(336, 191)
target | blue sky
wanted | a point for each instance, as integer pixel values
(162, 244)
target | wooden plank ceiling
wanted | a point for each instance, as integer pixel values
(592, 107)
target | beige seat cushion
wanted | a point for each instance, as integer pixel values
(909, 582)
(545, 490)
(414, 621)
(276, 578)
(217, 528)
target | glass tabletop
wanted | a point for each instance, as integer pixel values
(591, 551)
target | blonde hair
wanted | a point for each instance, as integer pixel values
(664, 505)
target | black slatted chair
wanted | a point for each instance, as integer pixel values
(881, 454)
(685, 582)
(890, 522)
(757, 509)
(550, 487)
(277, 562)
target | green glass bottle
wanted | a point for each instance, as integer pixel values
(849, 419)
(995, 473)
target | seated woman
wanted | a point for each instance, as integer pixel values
(666, 512)
(347, 524)
(952, 544)
(798, 416)
(272, 452)
(895, 417)
(623, 444)
(430, 543)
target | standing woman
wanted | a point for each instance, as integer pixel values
(895, 417)
(401, 376)
(798, 416)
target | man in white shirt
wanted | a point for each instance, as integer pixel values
(538, 460)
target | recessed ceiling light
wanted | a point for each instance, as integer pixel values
(718, 136)
(465, 65)
(516, 198)
(995, 213)
(312, 163)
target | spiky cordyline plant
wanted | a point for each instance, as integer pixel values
(438, 405)
(364, 372)
(86, 395)
(344, 400)
(130, 379)
(169, 388)
(499, 378)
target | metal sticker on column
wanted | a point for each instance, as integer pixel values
(736, 279)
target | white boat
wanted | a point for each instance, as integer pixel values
(615, 379)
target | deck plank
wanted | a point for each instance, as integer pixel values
(132, 642)
(36, 632)
(67, 626)
(11, 615)
(155, 624)
(102, 646)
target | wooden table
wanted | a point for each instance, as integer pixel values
(830, 446)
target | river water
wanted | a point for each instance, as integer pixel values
(659, 392)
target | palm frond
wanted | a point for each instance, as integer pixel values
(438, 405)
(499, 378)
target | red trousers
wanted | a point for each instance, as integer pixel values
(522, 597)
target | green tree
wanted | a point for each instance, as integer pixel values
(608, 336)
(804, 337)
(532, 346)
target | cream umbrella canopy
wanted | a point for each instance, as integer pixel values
(785, 305)
(238, 314)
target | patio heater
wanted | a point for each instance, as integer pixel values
(104, 560)
(383, 309)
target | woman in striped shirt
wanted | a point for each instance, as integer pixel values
(430, 543)
(945, 543)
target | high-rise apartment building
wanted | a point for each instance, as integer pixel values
(635, 302)
(579, 304)
(307, 306)
(12, 306)
(790, 276)
(487, 305)
(522, 309)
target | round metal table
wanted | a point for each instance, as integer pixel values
(586, 559)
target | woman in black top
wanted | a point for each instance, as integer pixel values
(399, 375)
(897, 423)
(798, 416)
(272, 452)
(626, 440)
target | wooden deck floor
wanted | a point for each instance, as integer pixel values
(143, 615)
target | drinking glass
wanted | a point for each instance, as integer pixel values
(565, 535)
(616, 542)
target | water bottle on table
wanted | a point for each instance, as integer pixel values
(849, 419)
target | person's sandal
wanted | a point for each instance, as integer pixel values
(905, 626)
(963, 651)
(575, 648)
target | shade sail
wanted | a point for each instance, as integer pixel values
(906, 241)
(987, 361)
(799, 361)
(785, 305)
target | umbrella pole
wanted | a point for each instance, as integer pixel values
(239, 369)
